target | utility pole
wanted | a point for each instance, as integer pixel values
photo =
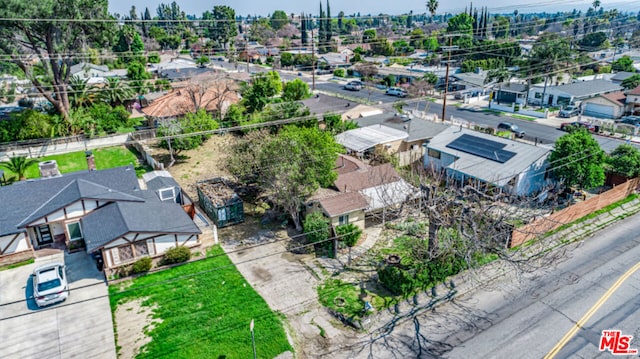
(313, 62)
(446, 80)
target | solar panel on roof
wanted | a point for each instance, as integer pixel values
(481, 147)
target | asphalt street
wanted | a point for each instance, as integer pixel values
(530, 323)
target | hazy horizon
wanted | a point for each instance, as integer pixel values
(365, 7)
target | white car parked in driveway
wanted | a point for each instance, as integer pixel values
(50, 284)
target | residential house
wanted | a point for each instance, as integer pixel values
(185, 73)
(633, 101)
(511, 93)
(334, 60)
(106, 211)
(365, 141)
(468, 81)
(619, 77)
(572, 93)
(95, 73)
(360, 111)
(469, 157)
(217, 97)
(419, 131)
(360, 190)
(610, 105)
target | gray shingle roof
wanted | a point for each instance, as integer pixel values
(588, 88)
(156, 180)
(20, 200)
(119, 218)
(74, 191)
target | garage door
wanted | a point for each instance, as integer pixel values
(595, 110)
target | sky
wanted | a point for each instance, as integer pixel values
(395, 7)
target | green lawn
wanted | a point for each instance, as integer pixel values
(75, 161)
(205, 308)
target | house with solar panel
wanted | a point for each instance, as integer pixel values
(468, 157)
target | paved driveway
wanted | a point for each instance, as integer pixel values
(80, 327)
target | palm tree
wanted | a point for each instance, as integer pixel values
(546, 56)
(82, 95)
(432, 6)
(115, 92)
(596, 4)
(18, 165)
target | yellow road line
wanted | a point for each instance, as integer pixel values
(591, 312)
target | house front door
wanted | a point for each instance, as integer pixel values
(44, 235)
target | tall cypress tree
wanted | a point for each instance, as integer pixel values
(321, 25)
(303, 29)
(328, 25)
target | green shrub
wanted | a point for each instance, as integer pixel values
(339, 73)
(154, 58)
(177, 254)
(396, 280)
(141, 265)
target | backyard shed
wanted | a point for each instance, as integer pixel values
(220, 202)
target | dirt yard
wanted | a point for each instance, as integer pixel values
(201, 163)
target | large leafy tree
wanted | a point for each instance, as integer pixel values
(461, 28)
(295, 90)
(631, 82)
(199, 122)
(278, 19)
(264, 86)
(221, 25)
(625, 63)
(50, 31)
(625, 161)
(288, 167)
(577, 160)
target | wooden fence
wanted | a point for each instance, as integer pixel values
(574, 212)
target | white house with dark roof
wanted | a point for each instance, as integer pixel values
(467, 156)
(570, 93)
(105, 211)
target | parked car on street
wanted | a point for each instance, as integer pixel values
(396, 91)
(569, 111)
(570, 126)
(508, 126)
(630, 120)
(50, 284)
(353, 86)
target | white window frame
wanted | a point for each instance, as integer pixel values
(69, 231)
(344, 219)
(165, 190)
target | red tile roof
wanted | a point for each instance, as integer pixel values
(343, 203)
(183, 100)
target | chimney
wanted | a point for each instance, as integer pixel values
(91, 161)
(48, 169)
